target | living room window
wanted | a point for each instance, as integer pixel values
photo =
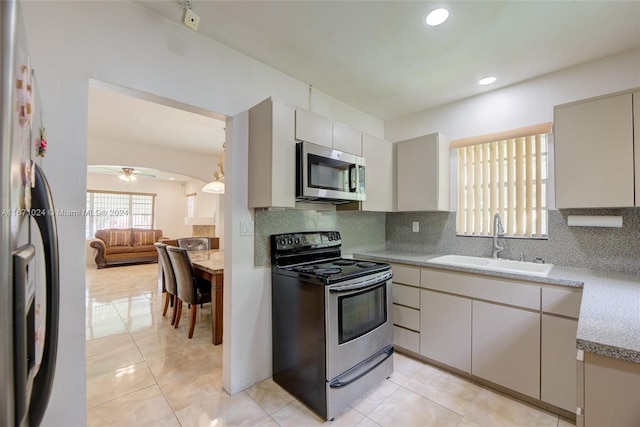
(504, 173)
(118, 210)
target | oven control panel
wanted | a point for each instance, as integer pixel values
(305, 240)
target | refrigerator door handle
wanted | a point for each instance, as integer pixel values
(42, 202)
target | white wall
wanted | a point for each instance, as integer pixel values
(124, 44)
(208, 205)
(109, 152)
(523, 104)
(205, 203)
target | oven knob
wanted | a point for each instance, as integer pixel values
(283, 242)
(290, 241)
(297, 240)
(330, 237)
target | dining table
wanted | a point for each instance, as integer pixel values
(209, 265)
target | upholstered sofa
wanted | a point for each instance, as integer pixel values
(125, 246)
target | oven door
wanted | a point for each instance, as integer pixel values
(358, 320)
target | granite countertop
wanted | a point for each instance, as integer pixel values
(609, 322)
(210, 260)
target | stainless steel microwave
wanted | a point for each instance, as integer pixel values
(326, 175)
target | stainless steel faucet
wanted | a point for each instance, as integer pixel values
(498, 231)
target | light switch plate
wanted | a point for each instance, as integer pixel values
(246, 228)
(416, 226)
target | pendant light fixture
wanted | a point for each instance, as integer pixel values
(217, 185)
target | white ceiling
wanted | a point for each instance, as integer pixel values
(118, 114)
(377, 56)
(380, 56)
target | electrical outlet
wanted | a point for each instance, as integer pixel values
(190, 19)
(416, 226)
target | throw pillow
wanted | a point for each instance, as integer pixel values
(144, 238)
(119, 238)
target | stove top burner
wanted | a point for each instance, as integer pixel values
(304, 268)
(326, 271)
(366, 264)
(332, 270)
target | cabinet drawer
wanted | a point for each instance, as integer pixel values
(406, 317)
(406, 339)
(562, 302)
(406, 295)
(406, 275)
(493, 289)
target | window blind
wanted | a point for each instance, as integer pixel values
(506, 175)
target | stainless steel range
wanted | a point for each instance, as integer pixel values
(332, 326)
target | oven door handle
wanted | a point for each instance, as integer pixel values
(358, 371)
(363, 284)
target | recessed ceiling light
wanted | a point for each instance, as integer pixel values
(487, 81)
(171, 178)
(437, 17)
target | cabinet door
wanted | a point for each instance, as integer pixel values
(506, 347)
(313, 128)
(445, 329)
(594, 153)
(380, 174)
(611, 390)
(272, 156)
(347, 139)
(423, 174)
(558, 376)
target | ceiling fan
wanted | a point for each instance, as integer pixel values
(127, 174)
(130, 174)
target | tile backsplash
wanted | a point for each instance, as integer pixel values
(616, 249)
(360, 231)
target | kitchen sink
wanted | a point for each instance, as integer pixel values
(502, 265)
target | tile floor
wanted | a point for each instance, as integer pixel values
(143, 372)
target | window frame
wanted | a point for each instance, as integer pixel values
(91, 212)
(475, 210)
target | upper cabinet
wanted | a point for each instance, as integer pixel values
(594, 152)
(272, 155)
(274, 129)
(347, 139)
(423, 174)
(380, 174)
(319, 130)
(313, 128)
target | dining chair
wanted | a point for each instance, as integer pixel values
(170, 281)
(191, 289)
(194, 243)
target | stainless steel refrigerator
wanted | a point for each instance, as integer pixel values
(29, 277)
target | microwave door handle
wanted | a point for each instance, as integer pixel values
(353, 178)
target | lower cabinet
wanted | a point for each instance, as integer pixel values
(445, 329)
(558, 376)
(506, 347)
(611, 390)
(518, 334)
